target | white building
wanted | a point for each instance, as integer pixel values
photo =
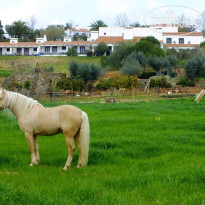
(168, 36)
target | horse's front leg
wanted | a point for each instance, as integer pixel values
(36, 149)
(30, 140)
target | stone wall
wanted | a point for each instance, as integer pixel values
(39, 81)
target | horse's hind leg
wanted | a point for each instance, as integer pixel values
(30, 140)
(78, 143)
(71, 149)
(36, 149)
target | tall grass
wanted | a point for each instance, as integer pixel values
(140, 153)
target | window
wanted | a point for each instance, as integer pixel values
(63, 47)
(34, 49)
(39, 41)
(82, 49)
(47, 49)
(104, 34)
(54, 49)
(189, 42)
(8, 49)
(181, 40)
(174, 42)
(169, 40)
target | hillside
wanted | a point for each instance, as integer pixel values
(59, 63)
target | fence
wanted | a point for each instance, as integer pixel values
(117, 95)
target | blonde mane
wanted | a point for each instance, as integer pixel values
(20, 101)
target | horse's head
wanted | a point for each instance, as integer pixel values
(2, 99)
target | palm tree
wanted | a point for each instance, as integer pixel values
(95, 25)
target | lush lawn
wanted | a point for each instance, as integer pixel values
(60, 63)
(140, 153)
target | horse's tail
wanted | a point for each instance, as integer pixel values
(84, 138)
(200, 95)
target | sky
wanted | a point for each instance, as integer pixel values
(84, 12)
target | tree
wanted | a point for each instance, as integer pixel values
(121, 20)
(95, 25)
(139, 56)
(131, 67)
(54, 32)
(89, 73)
(135, 24)
(195, 67)
(101, 49)
(202, 44)
(149, 48)
(68, 25)
(71, 52)
(151, 39)
(18, 29)
(120, 53)
(1, 30)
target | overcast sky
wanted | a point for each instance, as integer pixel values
(84, 12)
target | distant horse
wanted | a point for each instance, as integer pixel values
(200, 95)
(34, 119)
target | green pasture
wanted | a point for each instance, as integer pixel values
(59, 63)
(140, 153)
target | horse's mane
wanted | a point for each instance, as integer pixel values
(21, 101)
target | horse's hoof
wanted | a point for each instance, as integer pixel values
(31, 165)
(79, 166)
(36, 163)
(65, 169)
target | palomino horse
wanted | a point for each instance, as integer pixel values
(34, 119)
(200, 96)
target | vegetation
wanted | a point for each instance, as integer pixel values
(88, 72)
(195, 67)
(71, 52)
(140, 153)
(184, 82)
(53, 32)
(95, 25)
(160, 82)
(101, 49)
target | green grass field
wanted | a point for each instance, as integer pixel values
(140, 153)
(60, 63)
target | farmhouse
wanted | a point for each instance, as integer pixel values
(168, 36)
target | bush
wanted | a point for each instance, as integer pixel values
(88, 72)
(89, 53)
(27, 85)
(71, 52)
(202, 44)
(195, 67)
(160, 83)
(101, 49)
(104, 61)
(184, 82)
(131, 67)
(147, 75)
(74, 84)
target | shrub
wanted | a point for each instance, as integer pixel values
(160, 82)
(75, 84)
(88, 72)
(146, 75)
(131, 67)
(89, 53)
(71, 52)
(195, 67)
(202, 44)
(101, 49)
(27, 85)
(104, 61)
(184, 82)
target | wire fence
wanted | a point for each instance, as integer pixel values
(112, 96)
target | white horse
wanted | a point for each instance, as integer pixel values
(34, 119)
(200, 95)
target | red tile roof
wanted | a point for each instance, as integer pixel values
(80, 30)
(20, 44)
(66, 43)
(184, 33)
(182, 45)
(108, 39)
